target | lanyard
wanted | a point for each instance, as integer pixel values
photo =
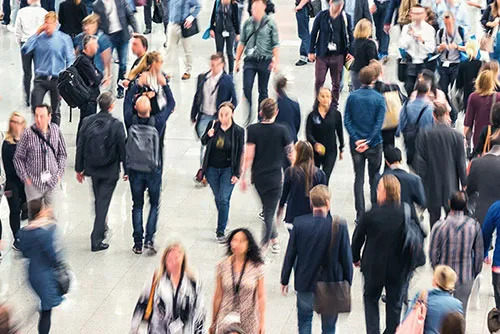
(176, 295)
(330, 22)
(236, 287)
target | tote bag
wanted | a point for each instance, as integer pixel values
(393, 109)
(415, 321)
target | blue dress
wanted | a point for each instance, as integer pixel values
(37, 244)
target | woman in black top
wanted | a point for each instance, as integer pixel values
(364, 50)
(299, 180)
(224, 140)
(225, 28)
(14, 187)
(71, 15)
(323, 123)
(468, 70)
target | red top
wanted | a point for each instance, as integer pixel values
(478, 113)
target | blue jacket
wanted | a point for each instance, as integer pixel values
(37, 244)
(308, 244)
(439, 304)
(364, 115)
(179, 10)
(289, 115)
(492, 222)
(409, 115)
(393, 7)
(320, 33)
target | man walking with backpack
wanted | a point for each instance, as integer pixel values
(144, 156)
(100, 149)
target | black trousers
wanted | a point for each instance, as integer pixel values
(388, 137)
(269, 197)
(411, 76)
(447, 76)
(16, 198)
(147, 13)
(229, 41)
(326, 163)
(40, 87)
(44, 322)
(371, 296)
(435, 212)
(27, 61)
(496, 288)
(103, 192)
(87, 109)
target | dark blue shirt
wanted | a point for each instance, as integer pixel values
(492, 222)
(289, 115)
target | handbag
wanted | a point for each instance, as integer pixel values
(157, 12)
(415, 321)
(331, 298)
(62, 276)
(393, 110)
(191, 31)
(149, 306)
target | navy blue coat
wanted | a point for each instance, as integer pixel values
(308, 245)
(289, 115)
(320, 33)
(37, 244)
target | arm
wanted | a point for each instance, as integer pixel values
(485, 19)
(358, 239)
(419, 193)
(121, 146)
(217, 300)
(248, 158)
(48, 247)
(420, 159)
(30, 44)
(435, 246)
(106, 60)
(405, 39)
(140, 307)
(489, 226)
(460, 162)
(195, 108)
(86, 70)
(234, 97)
(402, 120)
(62, 155)
(240, 153)
(60, 15)
(80, 142)
(346, 253)
(261, 300)
(314, 35)
(128, 105)
(236, 20)
(290, 257)
(393, 5)
(473, 179)
(340, 131)
(204, 139)
(378, 122)
(470, 116)
(20, 157)
(478, 250)
(372, 51)
(309, 130)
(69, 51)
(199, 311)
(275, 42)
(130, 17)
(348, 122)
(213, 16)
(429, 41)
(19, 29)
(194, 9)
(297, 119)
(286, 189)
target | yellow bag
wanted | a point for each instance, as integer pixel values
(149, 305)
(393, 109)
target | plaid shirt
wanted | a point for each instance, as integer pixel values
(33, 157)
(457, 242)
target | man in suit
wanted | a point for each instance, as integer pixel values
(213, 88)
(440, 162)
(115, 18)
(312, 263)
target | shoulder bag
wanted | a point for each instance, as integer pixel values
(393, 110)
(149, 306)
(331, 298)
(487, 142)
(35, 130)
(415, 321)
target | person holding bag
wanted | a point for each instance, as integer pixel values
(484, 141)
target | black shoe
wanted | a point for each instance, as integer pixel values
(384, 298)
(137, 249)
(119, 94)
(147, 31)
(221, 238)
(150, 247)
(100, 247)
(15, 245)
(301, 62)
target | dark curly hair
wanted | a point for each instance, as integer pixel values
(253, 251)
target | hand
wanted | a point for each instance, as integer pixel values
(373, 9)
(41, 29)
(211, 132)
(341, 155)
(28, 182)
(107, 80)
(487, 260)
(359, 142)
(361, 148)
(80, 177)
(237, 66)
(312, 57)
(234, 179)
(243, 185)
(150, 95)
(441, 47)
(357, 264)
(262, 329)
(237, 38)
(297, 8)
(212, 33)
(349, 57)
(273, 66)
(453, 46)
(125, 82)
(284, 290)
(418, 38)
(211, 330)
(387, 28)
(188, 24)
(319, 148)
(125, 177)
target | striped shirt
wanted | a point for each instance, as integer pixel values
(457, 242)
(33, 157)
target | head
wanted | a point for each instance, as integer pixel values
(444, 278)
(392, 156)
(417, 13)
(106, 101)
(225, 114)
(217, 63)
(324, 98)
(495, 115)
(50, 23)
(492, 66)
(368, 75)
(336, 7)
(17, 124)
(241, 243)
(458, 201)
(472, 49)
(363, 29)
(389, 190)
(154, 61)
(268, 109)
(43, 114)
(258, 9)
(449, 22)
(428, 76)
(441, 113)
(304, 162)
(39, 209)
(485, 83)
(139, 45)
(143, 107)
(173, 259)
(90, 24)
(430, 16)
(422, 87)
(90, 45)
(280, 84)
(33, 2)
(377, 66)
(320, 197)
(453, 323)
(495, 140)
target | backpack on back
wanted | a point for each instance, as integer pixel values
(71, 86)
(143, 146)
(410, 133)
(97, 149)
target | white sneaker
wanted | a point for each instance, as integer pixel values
(275, 248)
(11, 28)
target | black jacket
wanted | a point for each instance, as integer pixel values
(321, 31)
(89, 73)
(363, 50)
(12, 179)
(237, 141)
(70, 17)
(225, 92)
(117, 148)
(125, 15)
(325, 130)
(381, 232)
(235, 27)
(361, 11)
(289, 115)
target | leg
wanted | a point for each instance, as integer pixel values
(328, 324)
(336, 65)
(55, 100)
(320, 69)
(462, 293)
(213, 179)
(27, 60)
(173, 37)
(137, 188)
(38, 93)
(87, 109)
(147, 15)
(371, 296)
(122, 61)
(225, 191)
(434, 214)
(393, 306)
(329, 163)
(44, 322)
(249, 72)
(103, 192)
(496, 288)
(304, 311)
(263, 80)
(219, 42)
(187, 43)
(6, 12)
(358, 161)
(302, 17)
(269, 199)
(382, 37)
(229, 50)
(14, 201)
(374, 157)
(154, 191)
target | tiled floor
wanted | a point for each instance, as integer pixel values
(108, 283)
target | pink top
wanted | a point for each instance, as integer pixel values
(478, 113)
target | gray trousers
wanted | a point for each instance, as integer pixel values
(462, 293)
(34, 193)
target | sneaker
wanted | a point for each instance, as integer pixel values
(150, 247)
(186, 76)
(137, 249)
(120, 94)
(301, 62)
(15, 245)
(275, 248)
(147, 31)
(261, 215)
(221, 238)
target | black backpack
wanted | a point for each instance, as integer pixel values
(413, 247)
(71, 86)
(143, 146)
(97, 149)
(410, 133)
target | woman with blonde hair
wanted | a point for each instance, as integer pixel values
(173, 302)
(480, 105)
(468, 70)
(14, 187)
(364, 50)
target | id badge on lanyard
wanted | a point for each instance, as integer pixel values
(177, 326)
(45, 176)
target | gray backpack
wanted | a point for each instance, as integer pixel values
(143, 146)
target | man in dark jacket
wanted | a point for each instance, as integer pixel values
(101, 136)
(213, 88)
(318, 263)
(90, 75)
(440, 162)
(115, 18)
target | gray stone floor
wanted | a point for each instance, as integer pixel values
(108, 283)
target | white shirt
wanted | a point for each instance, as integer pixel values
(210, 89)
(112, 14)
(28, 20)
(419, 51)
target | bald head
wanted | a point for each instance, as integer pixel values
(143, 106)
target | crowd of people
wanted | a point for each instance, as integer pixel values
(447, 64)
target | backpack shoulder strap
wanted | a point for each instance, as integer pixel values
(461, 32)
(420, 115)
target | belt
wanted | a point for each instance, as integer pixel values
(46, 77)
(258, 58)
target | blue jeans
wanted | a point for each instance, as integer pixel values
(251, 68)
(201, 126)
(303, 30)
(305, 302)
(139, 182)
(219, 180)
(378, 18)
(121, 48)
